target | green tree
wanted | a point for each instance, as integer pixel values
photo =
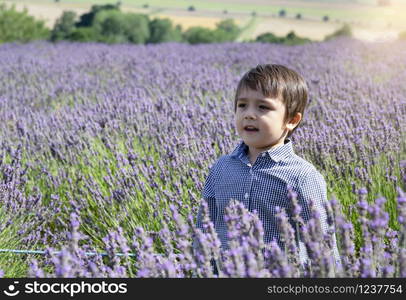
(84, 34)
(343, 31)
(64, 26)
(226, 30)
(137, 28)
(86, 20)
(113, 26)
(19, 26)
(198, 35)
(292, 39)
(269, 37)
(291, 35)
(162, 30)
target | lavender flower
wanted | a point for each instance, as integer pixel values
(105, 146)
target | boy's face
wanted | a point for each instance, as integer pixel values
(266, 115)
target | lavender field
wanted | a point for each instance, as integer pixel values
(105, 148)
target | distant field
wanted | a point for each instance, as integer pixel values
(369, 21)
(349, 11)
(301, 27)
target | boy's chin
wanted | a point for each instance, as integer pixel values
(251, 143)
(259, 145)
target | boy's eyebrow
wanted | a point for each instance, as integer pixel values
(256, 99)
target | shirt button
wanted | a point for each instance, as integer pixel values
(263, 154)
(249, 165)
(251, 171)
(246, 195)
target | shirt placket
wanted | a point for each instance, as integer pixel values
(247, 201)
(247, 195)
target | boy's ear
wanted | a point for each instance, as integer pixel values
(294, 121)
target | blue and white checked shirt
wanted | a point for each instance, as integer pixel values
(262, 187)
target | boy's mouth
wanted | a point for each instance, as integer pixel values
(250, 128)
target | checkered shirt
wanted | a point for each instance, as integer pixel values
(262, 187)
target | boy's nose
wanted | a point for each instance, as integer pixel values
(250, 114)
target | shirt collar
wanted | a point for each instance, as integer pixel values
(276, 154)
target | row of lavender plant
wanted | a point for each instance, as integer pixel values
(383, 253)
(118, 134)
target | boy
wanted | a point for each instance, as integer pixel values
(269, 104)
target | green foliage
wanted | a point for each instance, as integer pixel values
(343, 31)
(84, 34)
(86, 20)
(226, 31)
(191, 8)
(106, 23)
(290, 39)
(198, 34)
(113, 26)
(326, 18)
(269, 37)
(136, 28)
(64, 26)
(11, 238)
(299, 16)
(162, 30)
(18, 26)
(282, 13)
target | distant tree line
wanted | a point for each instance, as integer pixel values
(19, 26)
(108, 24)
(345, 30)
(290, 39)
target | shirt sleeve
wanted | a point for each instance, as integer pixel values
(312, 186)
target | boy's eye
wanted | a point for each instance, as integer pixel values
(261, 106)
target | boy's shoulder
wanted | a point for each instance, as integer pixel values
(219, 161)
(304, 165)
(294, 162)
(308, 177)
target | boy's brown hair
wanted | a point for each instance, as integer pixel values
(277, 81)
